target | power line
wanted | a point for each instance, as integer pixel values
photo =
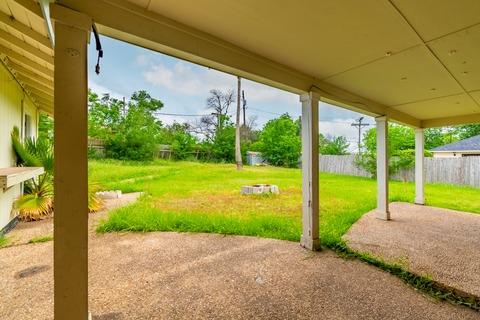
(180, 114)
(274, 113)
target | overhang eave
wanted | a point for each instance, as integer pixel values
(130, 23)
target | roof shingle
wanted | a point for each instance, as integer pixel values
(472, 143)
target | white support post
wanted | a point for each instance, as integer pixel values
(419, 166)
(382, 168)
(72, 31)
(310, 167)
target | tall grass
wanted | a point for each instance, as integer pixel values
(199, 197)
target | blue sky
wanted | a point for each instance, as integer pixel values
(183, 87)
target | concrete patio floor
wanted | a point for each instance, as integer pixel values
(441, 243)
(207, 276)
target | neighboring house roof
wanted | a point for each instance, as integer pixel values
(470, 144)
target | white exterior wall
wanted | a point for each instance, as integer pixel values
(11, 96)
(446, 155)
(455, 154)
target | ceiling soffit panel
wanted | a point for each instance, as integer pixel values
(319, 38)
(460, 53)
(409, 76)
(436, 18)
(455, 105)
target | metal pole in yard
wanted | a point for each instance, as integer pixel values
(238, 152)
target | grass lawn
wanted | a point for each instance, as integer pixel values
(199, 197)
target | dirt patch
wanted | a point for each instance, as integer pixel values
(224, 202)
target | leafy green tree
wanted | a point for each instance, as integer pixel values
(223, 146)
(179, 138)
(333, 146)
(467, 131)
(279, 142)
(401, 149)
(45, 127)
(105, 115)
(130, 131)
(434, 137)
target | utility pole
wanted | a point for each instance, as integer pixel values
(244, 108)
(238, 152)
(359, 124)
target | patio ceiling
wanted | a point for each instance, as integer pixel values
(414, 61)
(26, 51)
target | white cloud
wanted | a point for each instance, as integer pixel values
(100, 89)
(185, 78)
(182, 78)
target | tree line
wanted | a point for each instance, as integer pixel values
(131, 130)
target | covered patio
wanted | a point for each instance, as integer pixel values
(410, 62)
(434, 242)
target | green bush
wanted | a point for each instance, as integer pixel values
(280, 142)
(130, 131)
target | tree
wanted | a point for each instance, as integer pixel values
(180, 139)
(130, 131)
(279, 142)
(105, 115)
(218, 103)
(333, 146)
(467, 131)
(223, 146)
(45, 127)
(434, 137)
(401, 149)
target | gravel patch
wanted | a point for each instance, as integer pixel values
(441, 243)
(207, 276)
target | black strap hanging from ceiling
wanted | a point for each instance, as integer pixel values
(98, 46)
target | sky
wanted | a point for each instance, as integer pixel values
(183, 87)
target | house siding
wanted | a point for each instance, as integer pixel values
(11, 96)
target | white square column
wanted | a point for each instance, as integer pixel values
(310, 167)
(70, 246)
(419, 166)
(382, 168)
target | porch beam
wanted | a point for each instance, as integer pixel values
(419, 166)
(35, 79)
(22, 45)
(310, 167)
(41, 101)
(13, 55)
(71, 185)
(451, 121)
(34, 84)
(31, 6)
(38, 76)
(25, 30)
(40, 93)
(382, 168)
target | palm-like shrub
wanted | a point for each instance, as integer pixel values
(37, 201)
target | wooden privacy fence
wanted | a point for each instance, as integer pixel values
(459, 171)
